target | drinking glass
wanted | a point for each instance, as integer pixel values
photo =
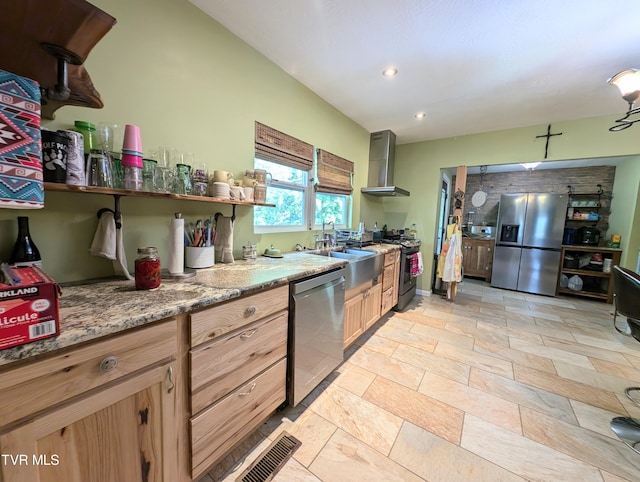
(149, 175)
(104, 136)
(200, 179)
(99, 170)
(182, 181)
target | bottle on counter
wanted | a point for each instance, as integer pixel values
(25, 252)
(147, 269)
(413, 232)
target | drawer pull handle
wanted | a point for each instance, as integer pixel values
(248, 334)
(250, 311)
(170, 375)
(109, 363)
(244, 394)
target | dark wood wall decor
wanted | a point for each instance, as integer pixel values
(74, 26)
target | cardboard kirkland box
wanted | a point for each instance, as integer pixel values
(29, 309)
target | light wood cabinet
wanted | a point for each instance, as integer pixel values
(238, 372)
(477, 257)
(353, 313)
(390, 281)
(88, 420)
(361, 310)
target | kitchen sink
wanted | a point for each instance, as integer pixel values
(363, 265)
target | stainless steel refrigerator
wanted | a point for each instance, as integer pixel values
(528, 241)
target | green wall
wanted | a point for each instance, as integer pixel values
(418, 165)
(192, 85)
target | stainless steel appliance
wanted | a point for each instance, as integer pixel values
(588, 235)
(382, 153)
(528, 241)
(407, 285)
(316, 332)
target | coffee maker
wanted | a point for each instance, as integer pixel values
(588, 235)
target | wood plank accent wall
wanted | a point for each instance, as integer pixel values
(582, 179)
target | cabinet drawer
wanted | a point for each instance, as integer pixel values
(221, 426)
(221, 366)
(220, 319)
(45, 383)
(391, 258)
(388, 279)
(387, 300)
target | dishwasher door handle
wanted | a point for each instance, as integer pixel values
(318, 281)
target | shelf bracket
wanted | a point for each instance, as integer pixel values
(117, 214)
(233, 213)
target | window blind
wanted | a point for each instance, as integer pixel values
(334, 174)
(276, 146)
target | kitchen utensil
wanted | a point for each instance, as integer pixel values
(149, 175)
(272, 252)
(99, 171)
(249, 252)
(200, 179)
(260, 193)
(249, 182)
(199, 256)
(222, 176)
(55, 147)
(182, 182)
(132, 140)
(76, 164)
(248, 193)
(262, 176)
(236, 192)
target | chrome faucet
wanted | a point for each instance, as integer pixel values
(328, 239)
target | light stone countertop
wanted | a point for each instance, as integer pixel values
(91, 311)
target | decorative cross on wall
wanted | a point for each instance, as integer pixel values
(548, 135)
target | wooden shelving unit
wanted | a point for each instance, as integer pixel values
(59, 187)
(600, 283)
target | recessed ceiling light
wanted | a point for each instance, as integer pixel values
(390, 72)
(420, 115)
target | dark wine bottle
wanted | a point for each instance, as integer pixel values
(25, 251)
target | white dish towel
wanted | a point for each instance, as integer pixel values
(108, 243)
(224, 238)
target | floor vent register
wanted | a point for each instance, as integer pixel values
(269, 463)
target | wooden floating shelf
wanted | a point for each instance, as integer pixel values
(59, 187)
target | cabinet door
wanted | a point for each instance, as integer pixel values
(371, 305)
(122, 432)
(396, 282)
(353, 326)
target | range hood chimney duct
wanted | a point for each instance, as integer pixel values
(382, 153)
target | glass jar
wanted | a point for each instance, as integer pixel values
(147, 269)
(132, 177)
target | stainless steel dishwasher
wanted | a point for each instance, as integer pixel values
(316, 332)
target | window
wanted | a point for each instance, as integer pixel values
(289, 191)
(332, 208)
(300, 204)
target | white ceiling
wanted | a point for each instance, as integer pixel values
(471, 65)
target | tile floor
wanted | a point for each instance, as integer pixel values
(498, 386)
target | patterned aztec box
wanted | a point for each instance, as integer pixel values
(21, 184)
(29, 309)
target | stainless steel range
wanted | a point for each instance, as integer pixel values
(407, 286)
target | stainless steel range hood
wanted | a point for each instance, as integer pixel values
(382, 153)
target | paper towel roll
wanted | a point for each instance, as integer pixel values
(175, 263)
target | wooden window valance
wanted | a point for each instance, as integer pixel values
(276, 146)
(334, 174)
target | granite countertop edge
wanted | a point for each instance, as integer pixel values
(92, 311)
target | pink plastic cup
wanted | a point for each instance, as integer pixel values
(129, 160)
(132, 140)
